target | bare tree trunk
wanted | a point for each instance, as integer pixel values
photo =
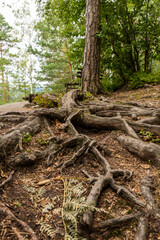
(91, 58)
(146, 60)
(8, 89)
(2, 69)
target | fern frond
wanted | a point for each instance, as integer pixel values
(48, 207)
(30, 189)
(46, 228)
(41, 192)
(72, 221)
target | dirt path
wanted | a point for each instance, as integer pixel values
(15, 107)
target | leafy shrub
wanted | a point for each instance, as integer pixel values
(113, 83)
(138, 80)
(45, 101)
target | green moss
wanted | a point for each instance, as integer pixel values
(46, 102)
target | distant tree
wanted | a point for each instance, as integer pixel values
(5, 39)
(61, 41)
(129, 37)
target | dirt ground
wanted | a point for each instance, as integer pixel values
(15, 107)
(36, 192)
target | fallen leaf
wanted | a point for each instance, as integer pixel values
(145, 166)
(2, 174)
(44, 182)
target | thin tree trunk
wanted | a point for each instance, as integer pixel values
(146, 60)
(8, 90)
(91, 58)
(2, 69)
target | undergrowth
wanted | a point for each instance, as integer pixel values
(72, 208)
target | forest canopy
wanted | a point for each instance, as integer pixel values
(127, 34)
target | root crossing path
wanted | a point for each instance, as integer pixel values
(86, 170)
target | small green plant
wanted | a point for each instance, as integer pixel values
(149, 136)
(42, 141)
(27, 137)
(88, 96)
(17, 203)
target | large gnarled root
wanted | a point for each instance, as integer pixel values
(146, 151)
(102, 181)
(11, 139)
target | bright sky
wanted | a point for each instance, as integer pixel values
(6, 7)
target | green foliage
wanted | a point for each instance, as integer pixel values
(18, 204)
(88, 96)
(73, 206)
(42, 141)
(129, 38)
(149, 136)
(138, 80)
(27, 137)
(113, 83)
(34, 192)
(44, 101)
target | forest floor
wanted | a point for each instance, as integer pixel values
(36, 191)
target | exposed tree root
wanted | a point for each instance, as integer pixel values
(11, 139)
(19, 236)
(28, 229)
(101, 116)
(103, 181)
(142, 229)
(146, 186)
(8, 179)
(146, 151)
(116, 222)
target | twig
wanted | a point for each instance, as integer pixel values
(8, 179)
(17, 233)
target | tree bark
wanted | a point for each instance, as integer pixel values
(91, 58)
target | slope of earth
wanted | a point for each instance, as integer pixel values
(40, 198)
(14, 107)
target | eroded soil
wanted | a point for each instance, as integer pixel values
(35, 192)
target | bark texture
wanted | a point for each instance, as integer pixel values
(91, 58)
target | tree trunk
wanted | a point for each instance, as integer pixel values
(146, 58)
(91, 58)
(2, 69)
